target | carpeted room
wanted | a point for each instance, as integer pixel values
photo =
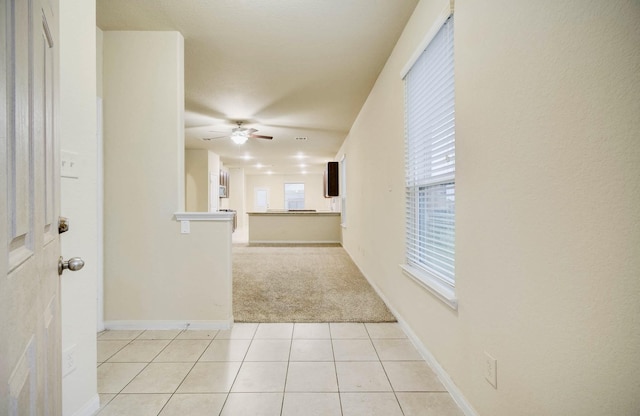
(302, 283)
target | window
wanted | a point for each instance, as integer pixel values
(293, 196)
(430, 165)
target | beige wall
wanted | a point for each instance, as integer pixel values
(79, 200)
(214, 182)
(147, 281)
(202, 170)
(301, 227)
(196, 166)
(548, 226)
(313, 190)
(237, 196)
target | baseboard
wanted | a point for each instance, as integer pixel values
(451, 387)
(155, 325)
(89, 408)
(448, 383)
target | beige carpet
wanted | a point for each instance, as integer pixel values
(302, 284)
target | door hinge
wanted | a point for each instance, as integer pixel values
(63, 225)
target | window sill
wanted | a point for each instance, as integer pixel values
(444, 293)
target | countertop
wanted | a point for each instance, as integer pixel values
(283, 212)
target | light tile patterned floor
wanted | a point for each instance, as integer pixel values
(348, 369)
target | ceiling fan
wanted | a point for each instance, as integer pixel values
(239, 135)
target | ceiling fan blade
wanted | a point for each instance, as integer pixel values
(251, 131)
(214, 138)
(258, 136)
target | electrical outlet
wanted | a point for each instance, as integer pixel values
(491, 370)
(69, 360)
(185, 227)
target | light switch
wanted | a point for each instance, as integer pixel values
(68, 164)
(185, 227)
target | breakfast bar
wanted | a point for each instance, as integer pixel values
(294, 227)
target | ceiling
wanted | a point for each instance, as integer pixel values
(297, 70)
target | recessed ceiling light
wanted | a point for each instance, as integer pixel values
(259, 165)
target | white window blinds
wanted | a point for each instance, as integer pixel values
(430, 159)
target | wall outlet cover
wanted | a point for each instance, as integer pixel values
(69, 360)
(491, 370)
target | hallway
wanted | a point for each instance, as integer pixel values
(280, 369)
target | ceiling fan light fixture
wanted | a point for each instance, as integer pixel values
(239, 138)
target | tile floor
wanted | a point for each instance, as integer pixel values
(268, 369)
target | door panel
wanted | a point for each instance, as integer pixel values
(49, 160)
(20, 149)
(30, 376)
(261, 199)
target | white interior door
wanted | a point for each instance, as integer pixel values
(30, 354)
(261, 199)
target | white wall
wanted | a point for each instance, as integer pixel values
(548, 189)
(313, 190)
(77, 132)
(148, 283)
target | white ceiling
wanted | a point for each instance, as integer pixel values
(289, 68)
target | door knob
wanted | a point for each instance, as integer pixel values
(73, 264)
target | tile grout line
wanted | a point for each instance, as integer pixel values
(145, 367)
(335, 366)
(191, 369)
(226, 399)
(137, 338)
(385, 370)
(138, 373)
(286, 374)
(121, 348)
(379, 350)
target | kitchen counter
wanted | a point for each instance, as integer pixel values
(294, 227)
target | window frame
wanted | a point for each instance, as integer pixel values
(438, 279)
(286, 206)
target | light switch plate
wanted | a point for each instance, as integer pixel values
(68, 164)
(185, 227)
(69, 360)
